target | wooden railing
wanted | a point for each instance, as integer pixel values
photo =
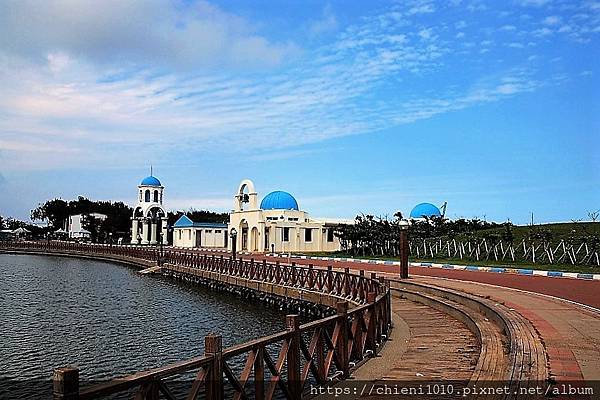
(280, 365)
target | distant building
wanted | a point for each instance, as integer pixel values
(278, 224)
(425, 210)
(74, 225)
(149, 217)
(187, 233)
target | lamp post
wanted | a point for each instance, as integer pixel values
(162, 235)
(403, 249)
(233, 236)
(110, 239)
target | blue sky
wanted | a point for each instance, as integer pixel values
(352, 107)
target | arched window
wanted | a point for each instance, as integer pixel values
(147, 195)
(156, 196)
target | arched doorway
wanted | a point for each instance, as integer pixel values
(254, 239)
(244, 235)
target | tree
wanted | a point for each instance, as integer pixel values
(54, 211)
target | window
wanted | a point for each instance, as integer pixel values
(308, 235)
(189, 234)
(156, 196)
(330, 235)
(272, 218)
(217, 231)
(147, 195)
(140, 196)
(180, 235)
(285, 235)
(292, 219)
(208, 231)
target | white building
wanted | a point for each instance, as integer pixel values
(278, 224)
(187, 233)
(74, 225)
(149, 218)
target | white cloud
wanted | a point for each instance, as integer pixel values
(551, 20)
(460, 25)
(421, 9)
(101, 113)
(171, 34)
(533, 3)
(327, 23)
(426, 34)
(542, 32)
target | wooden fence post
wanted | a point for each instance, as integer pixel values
(373, 322)
(292, 323)
(342, 340)
(65, 383)
(259, 374)
(213, 346)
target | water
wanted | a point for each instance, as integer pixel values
(108, 320)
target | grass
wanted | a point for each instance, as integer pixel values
(558, 231)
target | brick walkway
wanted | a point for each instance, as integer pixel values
(571, 334)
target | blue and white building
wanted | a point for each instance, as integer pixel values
(149, 219)
(278, 224)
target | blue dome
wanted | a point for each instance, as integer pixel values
(150, 181)
(279, 200)
(425, 210)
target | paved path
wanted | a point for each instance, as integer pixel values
(437, 347)
(570, 333)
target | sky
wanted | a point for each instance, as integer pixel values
(351, 106)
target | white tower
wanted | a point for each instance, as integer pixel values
(149, 213)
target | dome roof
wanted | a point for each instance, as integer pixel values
(425, 210)
(279, 200)
(150, 181)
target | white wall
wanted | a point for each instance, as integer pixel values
(209, 237)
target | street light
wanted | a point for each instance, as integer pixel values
(110, 239)
(233, 236)
(403, 248)
(162, 236)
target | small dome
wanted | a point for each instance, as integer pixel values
(279, 200)
(150, 181)
(425, 210)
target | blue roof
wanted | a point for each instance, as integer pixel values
(279, 200)
(150, 181)
(425, 210)
(185, 222)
